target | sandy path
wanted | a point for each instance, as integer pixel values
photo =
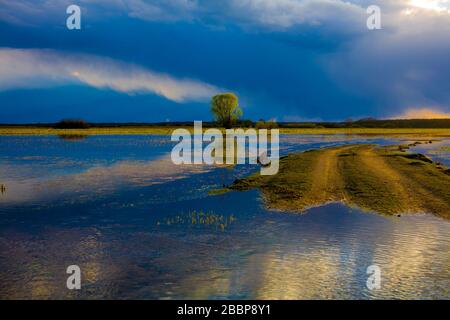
(327, 184)
(390, 178)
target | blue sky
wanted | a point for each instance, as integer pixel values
(292, 60)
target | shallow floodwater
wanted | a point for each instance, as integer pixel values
(140, 227)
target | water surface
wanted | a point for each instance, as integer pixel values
(140, 227)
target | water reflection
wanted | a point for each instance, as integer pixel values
(43, 169)
(261, 255)
(331, 263)
(72, 137)
(141, 228)
(97, 180)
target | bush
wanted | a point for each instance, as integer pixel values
(244, 124)
(271, 124)
(72, 124)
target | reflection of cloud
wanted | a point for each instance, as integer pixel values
(30, 68)
(302, 258)
(98, 180)
(41, 263)
(288, 274)
(283, 275)
(408, 252)
(412, 254)
(424, 113)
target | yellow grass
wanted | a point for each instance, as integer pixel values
(91, 131)
(142, 130)
(369, 131)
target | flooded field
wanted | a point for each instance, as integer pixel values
(141, 227)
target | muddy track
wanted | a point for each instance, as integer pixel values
(327, 183)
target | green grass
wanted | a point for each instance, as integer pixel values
(199, 218)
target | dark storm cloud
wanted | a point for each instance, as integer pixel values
(289, 59)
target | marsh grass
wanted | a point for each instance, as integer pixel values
(200, 218)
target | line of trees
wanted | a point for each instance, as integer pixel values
(227, 114)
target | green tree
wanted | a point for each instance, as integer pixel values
(225, 108)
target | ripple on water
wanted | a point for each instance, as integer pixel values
(124, 253)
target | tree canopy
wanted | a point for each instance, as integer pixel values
(225, 108)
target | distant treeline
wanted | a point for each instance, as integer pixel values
(364, 123)
(372, 123)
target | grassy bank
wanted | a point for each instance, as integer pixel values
(385, 180)
(29, 130)
(167, 130)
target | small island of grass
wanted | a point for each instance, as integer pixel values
(381, 179)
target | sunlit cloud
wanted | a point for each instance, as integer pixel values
(423, 113)
(436, 5)
(36, 68)
(345, 15)
(284, 14)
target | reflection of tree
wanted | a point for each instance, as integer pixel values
(72, 137)
(2, 189)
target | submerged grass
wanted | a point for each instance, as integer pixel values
(381, 179)
(199, 218)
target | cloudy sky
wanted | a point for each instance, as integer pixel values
(160, 60)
